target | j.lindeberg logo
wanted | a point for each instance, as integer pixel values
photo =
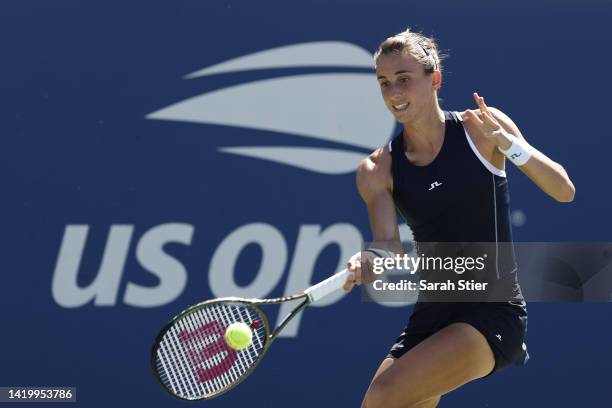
(343, 108)
(434, 185)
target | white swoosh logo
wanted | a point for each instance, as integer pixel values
(343, 108)
(319, 160)
(313, 54)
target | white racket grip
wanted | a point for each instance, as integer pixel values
(329, 285)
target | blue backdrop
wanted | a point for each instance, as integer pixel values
(158, 154)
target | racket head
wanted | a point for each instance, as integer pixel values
(192, 361)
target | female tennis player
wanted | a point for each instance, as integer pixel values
(445, 175)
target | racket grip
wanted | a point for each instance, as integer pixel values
(329, 285)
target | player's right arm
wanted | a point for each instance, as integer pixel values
(375, 185)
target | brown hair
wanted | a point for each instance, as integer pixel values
(424, 49)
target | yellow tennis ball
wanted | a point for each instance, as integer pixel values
(238, 336)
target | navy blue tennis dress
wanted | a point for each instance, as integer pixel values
(461, 197)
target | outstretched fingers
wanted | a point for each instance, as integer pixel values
(487, 117)
(481, 103)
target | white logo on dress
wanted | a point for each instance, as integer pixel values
(434, 185)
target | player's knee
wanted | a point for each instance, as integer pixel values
(388, 393)
(383, 392)
(430, 403)
(377, 395)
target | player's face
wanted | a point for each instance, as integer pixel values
(405, 87)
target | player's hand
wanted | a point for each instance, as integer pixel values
(358, 268)
(486, 122)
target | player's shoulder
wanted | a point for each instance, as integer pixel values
(377, 161)
(375, 169)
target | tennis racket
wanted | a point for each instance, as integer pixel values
(190, 357)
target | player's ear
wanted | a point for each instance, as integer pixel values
(436, 80)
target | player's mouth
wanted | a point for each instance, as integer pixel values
(400, 107)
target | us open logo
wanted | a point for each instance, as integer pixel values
(330, 121)
(343, 108)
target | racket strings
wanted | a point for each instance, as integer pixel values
(193, 360)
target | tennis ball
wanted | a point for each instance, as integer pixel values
(238, 336)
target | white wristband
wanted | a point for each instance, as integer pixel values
(518, 153)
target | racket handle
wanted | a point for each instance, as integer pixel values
(329, 285)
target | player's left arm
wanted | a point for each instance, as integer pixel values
(547, 174)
